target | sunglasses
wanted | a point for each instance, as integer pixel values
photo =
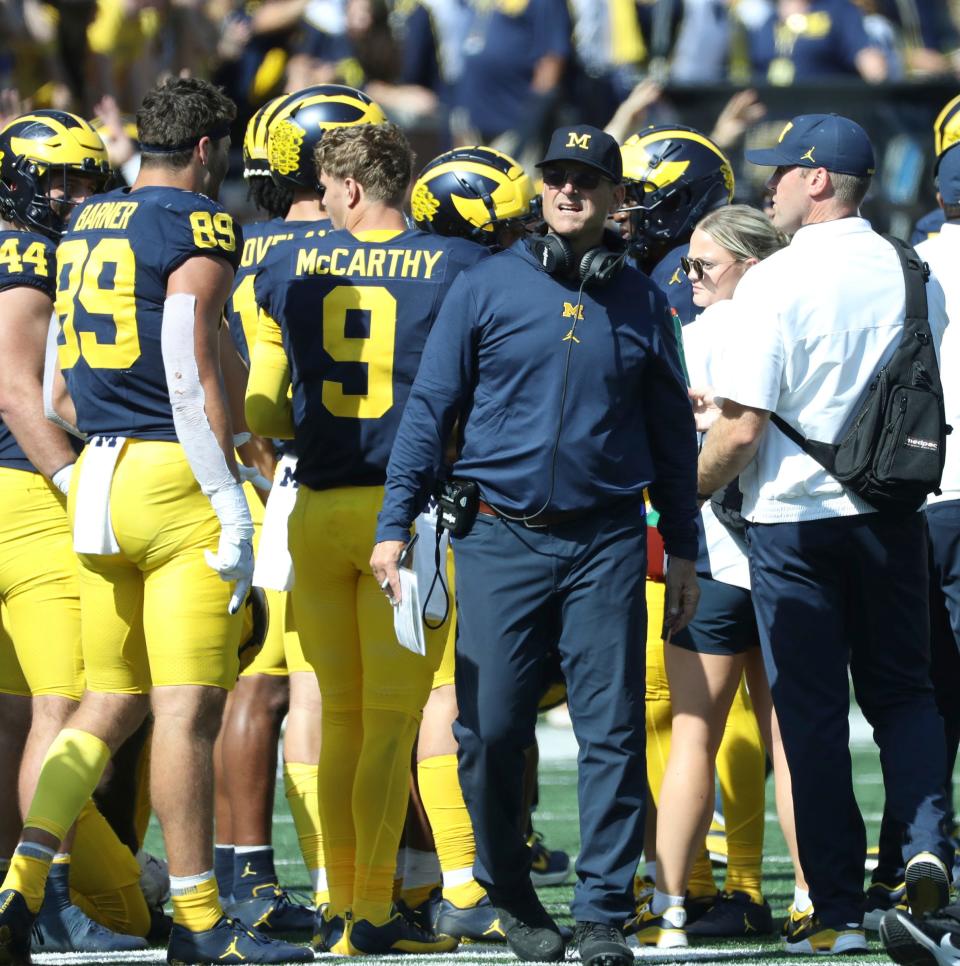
(698, 267)
(558, 177)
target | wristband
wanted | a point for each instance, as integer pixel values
(61, 479)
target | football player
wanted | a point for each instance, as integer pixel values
(50, 161)
(377, 286)
(159, 519)
(249, 745)
(674, 176)
(946, 133)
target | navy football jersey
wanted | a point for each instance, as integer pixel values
(112, 269)
(355, 314)
(260, 242)
(673, 282)
(28, 259)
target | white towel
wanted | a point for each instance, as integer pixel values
(92, 528)
(274, 566)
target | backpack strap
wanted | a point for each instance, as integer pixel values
(915, 276)
(915, 326)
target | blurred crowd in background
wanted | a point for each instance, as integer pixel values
(505, 72)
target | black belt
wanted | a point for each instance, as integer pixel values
(537, 520)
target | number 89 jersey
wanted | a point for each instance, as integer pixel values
(112, 269)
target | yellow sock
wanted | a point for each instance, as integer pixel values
(339, 754)
(28, 873)
(300, 782)
(452, 829)
(416, 896)
(701, 877)
(381, 792)
(196, 902)
(73, 766)
(658, 708)
(741, 770)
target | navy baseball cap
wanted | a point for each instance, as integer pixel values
(948, 176)
(820, 141)
(588, 145)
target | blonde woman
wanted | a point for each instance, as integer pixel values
(706, 661)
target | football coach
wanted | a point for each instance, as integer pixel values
(559, 361)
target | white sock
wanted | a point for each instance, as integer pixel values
(36, 851)
(801, 900)
(246, 849)
(318, 879)
(457, 877)
(420, 868)
(661, 902)
(180, 885)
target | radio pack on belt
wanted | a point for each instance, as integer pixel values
(459, 501)
(893, 454)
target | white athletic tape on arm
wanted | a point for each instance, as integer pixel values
(187, 399)
(49, 377)
(234, 557)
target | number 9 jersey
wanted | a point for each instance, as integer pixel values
(113, 264)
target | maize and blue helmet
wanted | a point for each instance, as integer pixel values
(36, 148)
(674, 176)
(296, 126)
(471, 192)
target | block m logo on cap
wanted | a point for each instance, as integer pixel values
(785, 131)
(581, 141)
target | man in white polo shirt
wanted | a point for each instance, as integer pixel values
(834, 582)
(909, 938)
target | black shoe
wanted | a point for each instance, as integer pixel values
(327, 930)
(16, 924)
(734, 914)
(912, 941)
(601, 945)
(536, 937)
(928, 883)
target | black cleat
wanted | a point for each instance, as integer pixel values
(912, 941)
(536, 938)
(733, 914)
(928, 883)
(16, 922)
(327, 930)
(229, 941)
(602, 945)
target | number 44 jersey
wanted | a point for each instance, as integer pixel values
(113, 264)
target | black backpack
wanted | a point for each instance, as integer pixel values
(893, 454)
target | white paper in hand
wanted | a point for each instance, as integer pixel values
(407, 622)
(425, 562)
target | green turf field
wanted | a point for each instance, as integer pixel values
(557, 819)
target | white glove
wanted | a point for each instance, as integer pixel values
(234, 557)
(250, 474)
(61, 479)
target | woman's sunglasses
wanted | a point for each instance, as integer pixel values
(697, 266)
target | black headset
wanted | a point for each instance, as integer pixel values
(598, 266)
